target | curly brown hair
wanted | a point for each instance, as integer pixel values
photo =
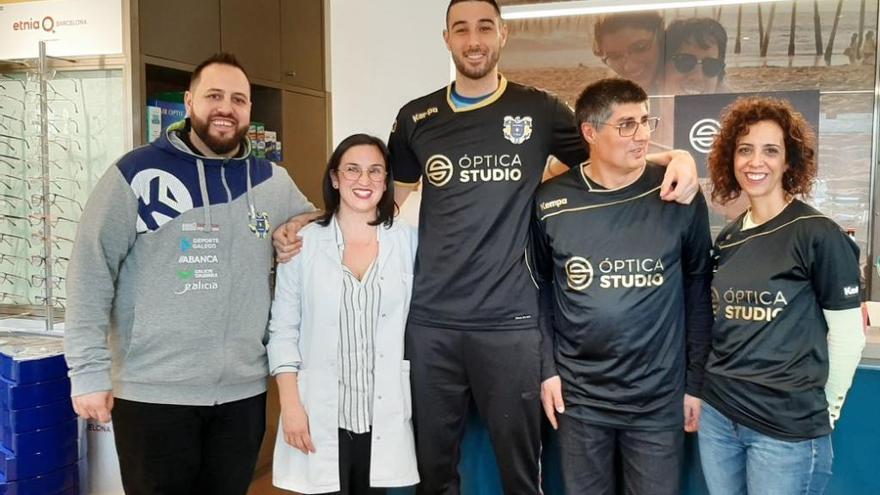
(800, 146)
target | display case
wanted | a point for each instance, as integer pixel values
(59, 131)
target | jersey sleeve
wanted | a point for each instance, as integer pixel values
(566, 143)
(834, 269)
(697, 265)
(540, 263)
(405, 166)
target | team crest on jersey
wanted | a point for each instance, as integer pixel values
(517, 129)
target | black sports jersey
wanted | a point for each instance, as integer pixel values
(482, 165)
(629, 279)
(769, 360)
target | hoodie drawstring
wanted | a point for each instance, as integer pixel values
(203, 187)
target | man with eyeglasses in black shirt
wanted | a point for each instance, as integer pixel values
(626, 308)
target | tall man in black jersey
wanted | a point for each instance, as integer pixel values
(625, 280)
(480, 145)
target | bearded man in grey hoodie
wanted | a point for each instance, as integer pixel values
(168, 295)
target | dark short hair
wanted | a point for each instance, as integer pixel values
(385, 209)
(798, 135)
(594, 105)
(611, 23)
(221, 58)
(701, 30)
(493, 3)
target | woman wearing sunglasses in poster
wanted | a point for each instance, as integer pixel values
(695, 51)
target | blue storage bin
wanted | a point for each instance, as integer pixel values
(64, 480)
(42, 440)
(27, 358)
(34, 418)
(32, 370)
(17, 467)
(24, 396)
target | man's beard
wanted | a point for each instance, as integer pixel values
(464, 68)
(219, 146)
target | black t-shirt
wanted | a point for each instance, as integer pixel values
(769, 360)
(482, 165)
(629, 277)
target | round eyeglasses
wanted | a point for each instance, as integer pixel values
(353, 173)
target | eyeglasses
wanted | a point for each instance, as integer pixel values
(53, 200)
(55, 239)
(628, 128)
(59, 261)
(7, 238)
(54, 300)
(9, 278)
(12, 297)
(40, 281)
(353, 173)
(617, 60)
(685, 62)
(9, 258)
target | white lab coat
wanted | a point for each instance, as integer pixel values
(305, 328)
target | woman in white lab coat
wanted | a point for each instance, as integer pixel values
(336, 337)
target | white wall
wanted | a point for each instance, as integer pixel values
(383, 53)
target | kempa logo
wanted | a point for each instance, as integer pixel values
(439, 170)
(554, 204)
(703, 134)
(579, 272)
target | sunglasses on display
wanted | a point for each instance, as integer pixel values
(685, 62)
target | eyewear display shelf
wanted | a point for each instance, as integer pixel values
(44, 145)
(45, 142)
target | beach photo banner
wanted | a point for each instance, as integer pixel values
(827, 47)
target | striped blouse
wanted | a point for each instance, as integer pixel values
(358, 317)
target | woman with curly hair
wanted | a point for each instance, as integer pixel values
(788, 331)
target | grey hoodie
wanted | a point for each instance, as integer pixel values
(168, 283)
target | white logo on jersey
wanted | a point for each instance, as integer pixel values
(579, 272)
(438, 170)
(556, 203)
(164, 195)
(852, 290)
(517, 129)
(703, 134)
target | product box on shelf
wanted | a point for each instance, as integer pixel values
(163, 109)
(273, 147)
(257, 137)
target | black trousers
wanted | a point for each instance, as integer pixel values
(602, 460)
(500, 371)
(181, 450)
(354, 464)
